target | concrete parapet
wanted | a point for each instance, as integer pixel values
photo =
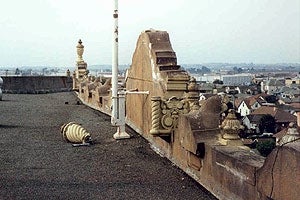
(195, 144)
(36, 84)
(280, 175)
(236, 172)
(154, 68)
(170, 118)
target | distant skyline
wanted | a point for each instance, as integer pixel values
(45, 32)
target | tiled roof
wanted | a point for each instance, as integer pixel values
(285, 100)
(296, 106)
(237, 102)
(296, 100)
(207, 95)
(289, 107)
(279, 115)
(275, 82)
(254, 118)
(255, 98)
(285, 89)
(206, 86)
(280, 134)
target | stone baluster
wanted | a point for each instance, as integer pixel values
(156, 115)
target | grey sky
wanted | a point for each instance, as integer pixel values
(45, 32)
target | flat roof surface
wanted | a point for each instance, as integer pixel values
(36, 163)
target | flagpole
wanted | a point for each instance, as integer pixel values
(118, 97)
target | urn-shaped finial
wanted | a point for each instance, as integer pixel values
(193, 94)
(192, 85)
(68, 73)
(80, 50)
(231, 126)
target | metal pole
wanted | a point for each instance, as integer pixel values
(118, 98)
(1, 83)
(114, 115)
(137, 92)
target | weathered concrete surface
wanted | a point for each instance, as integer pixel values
(36, 84)
(232, 172)
(229, 172)
(36, 163)
(280, 176)
(154, 68)
(169, 118)
(234, 169)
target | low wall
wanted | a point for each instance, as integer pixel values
(170, 118)
(36, 84)
(236, 172)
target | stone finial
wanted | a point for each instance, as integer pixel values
(231, 126)
(80, 50)
(192, 84)
(68, 73)
(193, 94)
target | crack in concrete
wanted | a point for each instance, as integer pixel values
(272, 171)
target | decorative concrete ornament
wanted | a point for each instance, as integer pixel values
(76, 134)
(80, 50)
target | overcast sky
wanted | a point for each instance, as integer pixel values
(45, 32)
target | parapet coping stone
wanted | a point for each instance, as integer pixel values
(242, 154)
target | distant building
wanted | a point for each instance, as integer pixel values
(252, 121)
(272, 85)
(282, 118)
(206, 87)
(238, 79)
(207, 77)
(292, 81)
(247, 105)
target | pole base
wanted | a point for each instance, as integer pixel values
(121, 135)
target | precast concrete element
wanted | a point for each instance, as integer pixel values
(75, 133)
(231, 127)
(165, 114)
(192, 94)
(156, 115)
(80, 50)
(81, 72)
(93, 85)
(1, 83)
(154, 68)
(36, 84)
(169, 116)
